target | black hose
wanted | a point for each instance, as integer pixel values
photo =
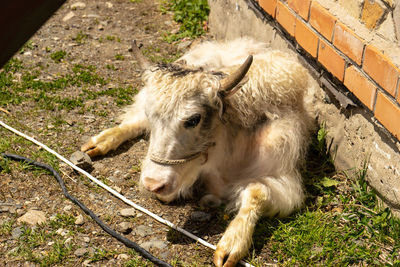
(128, 243)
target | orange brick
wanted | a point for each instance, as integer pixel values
(301, 7)
(322, 20)
(286, 18)
(332, 61)
(381, 69)
(269, 6)
(388, 113)
(360, 86)
(347, 42)
(306, 38)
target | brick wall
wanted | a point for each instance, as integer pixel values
(365, 70)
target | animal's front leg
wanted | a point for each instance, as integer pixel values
(236, 240)
(111, 138)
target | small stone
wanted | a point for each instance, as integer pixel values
(82, 160)
(165, 255)
(87, 263)
(16, 232)
(33, 217)
(129, 212)
(123, 257)
(109, 5)
(70, 122)
(67, 208)
(77, 5)
(184, 45)
(81, 252)
(154, 243)
(62, 232)
(4, 208)
(93, 16)
(124, 227)
(116, 188)
(86, 239)
(143, 230)
(79, 220)
(200, 216)
(69, 16)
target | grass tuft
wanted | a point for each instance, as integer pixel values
(58, 56)
(192, 16)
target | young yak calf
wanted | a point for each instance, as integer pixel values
(241, 128)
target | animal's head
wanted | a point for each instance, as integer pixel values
(184, 107)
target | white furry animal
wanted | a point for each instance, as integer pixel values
(240, 127)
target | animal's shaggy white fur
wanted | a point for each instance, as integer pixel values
(249, 157)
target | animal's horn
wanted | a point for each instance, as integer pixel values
(228, 83)
(143, 62)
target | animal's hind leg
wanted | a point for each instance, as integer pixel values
(111, 138)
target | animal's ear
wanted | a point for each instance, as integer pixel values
(229, 85)
(143, 62)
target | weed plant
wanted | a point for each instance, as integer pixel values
(192, 16)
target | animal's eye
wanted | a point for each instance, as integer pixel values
(192, 121)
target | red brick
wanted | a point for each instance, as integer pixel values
(286, 18)
(306, 38)
(349, 43)
(388, 113)
(360, 86)
(381, 69)
(332, 61)
(269, 6)
(322, 20)
(301, 7)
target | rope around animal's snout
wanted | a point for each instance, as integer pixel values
(128, 243)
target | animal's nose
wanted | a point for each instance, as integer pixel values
(154, 185)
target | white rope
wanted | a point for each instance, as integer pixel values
(115, 193)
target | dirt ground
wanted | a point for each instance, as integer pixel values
(93, 33)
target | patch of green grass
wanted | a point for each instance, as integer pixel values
(62, 221)
(113, 38)
(6, 227)
(27, 46)
(154, 54)
(119, 57)
(86, 75)
(46, 93)
(32, 246)
(191, 14)
(102, 254)
(58, 56)
(121, 95)
(80, 37)
(110, 67)
(136, 260)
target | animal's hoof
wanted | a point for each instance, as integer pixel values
(221, 254)
(91, 149)
(100, 144)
